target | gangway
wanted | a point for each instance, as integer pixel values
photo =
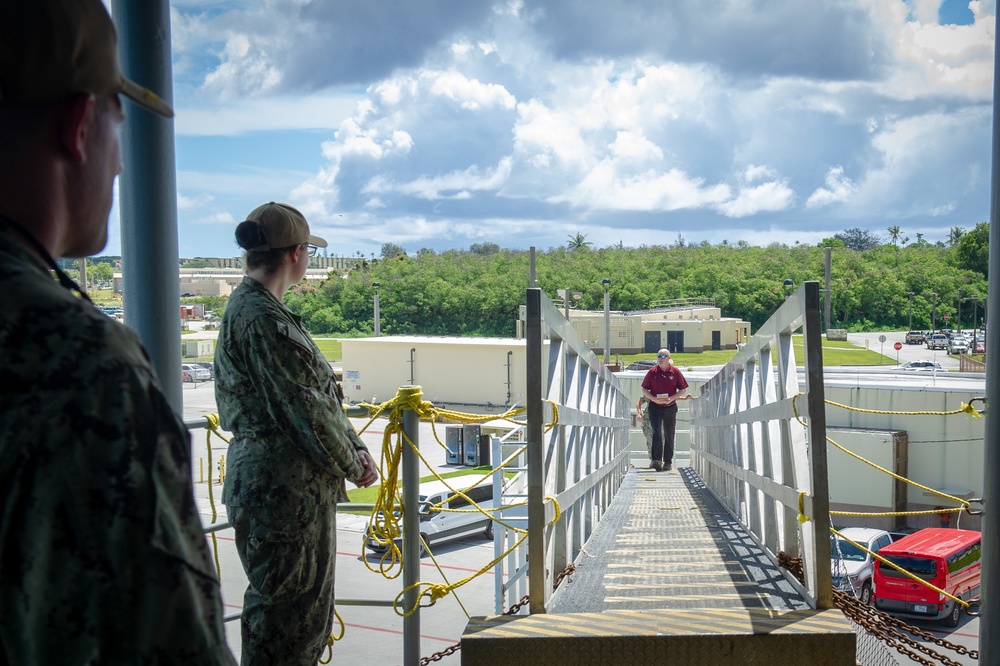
(682, 565)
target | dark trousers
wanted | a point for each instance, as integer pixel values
(288, 554)
(664, 421)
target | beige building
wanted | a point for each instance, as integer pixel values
(488, 373)
(683, 325)
(223, 275)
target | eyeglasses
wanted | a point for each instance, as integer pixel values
(662, 356)
(310, 249)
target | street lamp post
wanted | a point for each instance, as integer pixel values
(789, 283)
(607, 321)
(910, 294)
(934, 314)
(377, 317)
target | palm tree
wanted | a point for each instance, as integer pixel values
(894, 232)
(955, 235)
(578, 242)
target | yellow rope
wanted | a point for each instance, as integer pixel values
(965, 505)
(928, 512)
(964, 408)
(213, 428)
(435, 591)
(900, 570)
(333, 639)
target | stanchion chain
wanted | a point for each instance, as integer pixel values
(890, 630)
(513, 610)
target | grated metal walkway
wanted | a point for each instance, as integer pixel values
(668, 577)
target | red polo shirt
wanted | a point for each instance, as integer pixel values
(669, 381)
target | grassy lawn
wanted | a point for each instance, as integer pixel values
(331, 348)
(368, 495)
(835, 353)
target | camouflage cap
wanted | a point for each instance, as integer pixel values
(50, 49)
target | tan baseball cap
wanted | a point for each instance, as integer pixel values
(51, 49)
(283, 226)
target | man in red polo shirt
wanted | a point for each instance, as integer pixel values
(663, 386)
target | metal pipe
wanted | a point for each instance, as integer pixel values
(411, 538)
(536, 461)
(147, 194)
(989, 623)
(607, 321)
(378, 317)
(826, 300)
(509, 354)
(413, 350)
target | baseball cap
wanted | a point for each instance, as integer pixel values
(282, 226)
(50, 49)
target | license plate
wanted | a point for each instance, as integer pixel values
(919, 608)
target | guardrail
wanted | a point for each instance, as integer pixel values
(748, 446)
(575, 467)
(410, 542)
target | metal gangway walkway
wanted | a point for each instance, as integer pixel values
(679, 567)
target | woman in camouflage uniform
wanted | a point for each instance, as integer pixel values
(291, 450)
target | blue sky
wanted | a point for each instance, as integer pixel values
(444, 123)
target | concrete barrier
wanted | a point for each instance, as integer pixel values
(836, 334)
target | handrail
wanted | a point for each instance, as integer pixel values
(748, 445)
(581, 462)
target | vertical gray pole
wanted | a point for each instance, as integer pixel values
(536, 460)
(607, 322)
(826, 300)
(378, 317)
(531, 269)
(934, 314)
(411, 538)
(147, 193)
(819, 482)
(989, 623)
(910, 294)
(83, 273)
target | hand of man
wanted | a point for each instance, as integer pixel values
(371, 471)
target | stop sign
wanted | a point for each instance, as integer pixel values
(898, 346)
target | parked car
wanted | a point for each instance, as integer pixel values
(853, 568)
(921, 366)
(978, 347)
(194, 373)
(640, 365)
(208, 365)
(937, 341)
(914, 337)
(947, 558)
(440, 526)
(958, 345)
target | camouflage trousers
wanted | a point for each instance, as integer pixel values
(289, 554)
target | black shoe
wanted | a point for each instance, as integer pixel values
(656, 465)
(665, 467)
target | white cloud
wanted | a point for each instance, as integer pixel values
(839, 189)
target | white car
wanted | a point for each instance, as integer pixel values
(921, 366)
(852, 568)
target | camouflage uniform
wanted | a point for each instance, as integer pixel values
(102, 552)
(647, 424)
(291, 450)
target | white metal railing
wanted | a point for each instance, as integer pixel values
(576, 467)
(752, 452)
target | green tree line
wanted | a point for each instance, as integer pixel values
(478, 292)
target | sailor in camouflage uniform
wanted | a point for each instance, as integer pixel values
(291, 450)
(102, 555)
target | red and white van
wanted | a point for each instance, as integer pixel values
(946, 558)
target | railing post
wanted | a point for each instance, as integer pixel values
(536, 459)
(819, 483)
(411, 538)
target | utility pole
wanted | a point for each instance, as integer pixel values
(959, 328)
(607, 321)
(934, 314)
(378, 333)
(910, 294)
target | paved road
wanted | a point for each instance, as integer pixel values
(907, 353)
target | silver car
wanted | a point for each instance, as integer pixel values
(194, 373)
